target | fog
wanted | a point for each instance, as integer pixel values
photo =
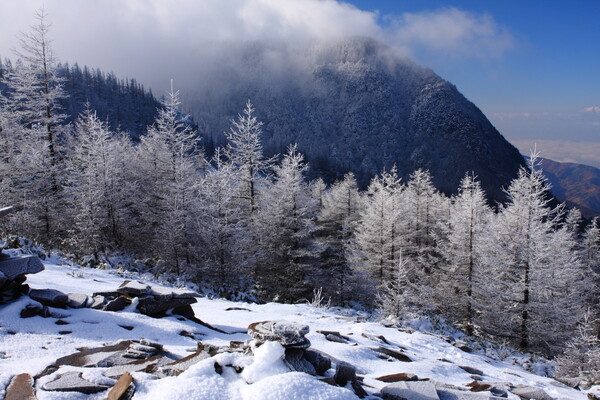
(156, 40)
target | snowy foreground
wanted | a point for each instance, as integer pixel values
(28, 345)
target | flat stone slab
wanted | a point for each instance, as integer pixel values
(449, 394)
(175, 368)
(289, 334)
(399, 377)
(123, 389)
(91, 357)
(20, 388)
(20, 265)
(49, 297)
(421, 390)
(398, 355)
(134, 288)
(73, 382)
(530, 392)
(137, 365)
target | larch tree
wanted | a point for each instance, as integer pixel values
(285, 226)
(462, 247)
(377, 234)
(336, 227)
(170, 160)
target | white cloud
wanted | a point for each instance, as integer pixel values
(153, 40)
(587, 153)
(453, 32)
(592, 109)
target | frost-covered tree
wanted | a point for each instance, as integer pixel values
(395, 293)
(223, 237)
(377, 234)
(460, 287)
(534, 277)
(336, 226)
(591, 258)
(169, 161)
(581, 357)
(284, 225)
(245, 152)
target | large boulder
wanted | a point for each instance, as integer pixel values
(20, 265)
(49, 297)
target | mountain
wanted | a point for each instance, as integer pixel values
(354, 105)
(577, 184)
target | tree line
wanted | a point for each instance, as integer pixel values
(522, 271)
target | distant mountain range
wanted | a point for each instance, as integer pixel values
(576, 184)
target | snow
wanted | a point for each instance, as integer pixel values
(30, 344)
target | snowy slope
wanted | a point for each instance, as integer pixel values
(29, 345)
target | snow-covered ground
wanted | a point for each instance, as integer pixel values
(30, 344)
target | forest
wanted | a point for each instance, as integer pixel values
(523, 272)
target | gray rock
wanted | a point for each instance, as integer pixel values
(92, 357)
(20, 388)
(398, 377)
(79, 300)
(392, 353)
(530, 392)
(20, 265)
(344, 373)
(134, 288)
(471, 370)
(98, 301)
(146, 365)
(73, 382)
(295, 360)
(320, 361)
(117, 304)
(175, 368)
(449, 394)
(3, 279)
(335, 338)
(32, 309)
(151, 305)
(420, 390)
(289, 334)
(49, 297)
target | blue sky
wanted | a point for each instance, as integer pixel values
(538, 87)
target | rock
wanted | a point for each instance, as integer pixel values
(320, 361)
(344, 373)
(452, 394)
(570, 382)
(172, 293)
(530, 392)
(91, 357)
(123, 389)
(175, 368)
(399, 377)
(392, 353)
(335, 338)
(20, 265)
(237, 309)
(421, 390)
(295, 360)
(471, 370)
(479, 387)
(459, 344)
(73, 382)
(134, 288)
(20, 388)
(146, 365)
(380, 338)
(3, 279)
(288, 334)
(98, 301)
(31, 310)
(117, 304)
(49, 297)
(79, 300)
(153, 305)
(188, 312)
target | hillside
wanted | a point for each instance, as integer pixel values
(454, 366)
(577, 184)
(354, 105)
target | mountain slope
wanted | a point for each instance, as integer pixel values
(28, 345)
(577, 184)
(355, 105)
